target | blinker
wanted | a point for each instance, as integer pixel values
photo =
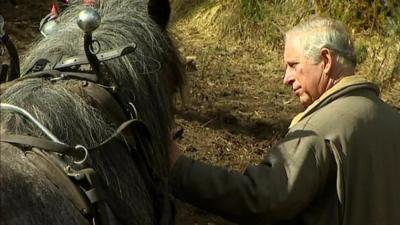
(48, 24)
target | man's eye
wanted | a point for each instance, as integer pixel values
(293, 65)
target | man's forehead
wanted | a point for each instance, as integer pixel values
(293, 40)
(292, 50)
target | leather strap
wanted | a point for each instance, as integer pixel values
(134, 123)
(104, 101)
(41, 143)
(61, 75)
(45, 163)
(84, 192)
(64, 149)
(102, 57)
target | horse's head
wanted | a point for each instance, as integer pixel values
(138, 79)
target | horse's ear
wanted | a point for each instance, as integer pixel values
(159, 11)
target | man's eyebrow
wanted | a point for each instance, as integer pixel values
(290, 61)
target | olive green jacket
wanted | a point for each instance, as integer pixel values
(338, 164)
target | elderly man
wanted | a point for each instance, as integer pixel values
(339, 162)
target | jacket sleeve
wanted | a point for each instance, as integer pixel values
(281, 186)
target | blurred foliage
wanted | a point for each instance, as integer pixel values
(381, 16)
(183, 8)
(253, 9)
(375, 25)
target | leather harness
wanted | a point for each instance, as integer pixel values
(82, 187)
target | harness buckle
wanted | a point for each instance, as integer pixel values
(39, 65)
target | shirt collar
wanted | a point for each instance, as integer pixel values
(341, 86)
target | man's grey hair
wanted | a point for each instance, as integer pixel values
(320, 32)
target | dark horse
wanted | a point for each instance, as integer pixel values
(31, 192)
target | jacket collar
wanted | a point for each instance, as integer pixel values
(345, 85)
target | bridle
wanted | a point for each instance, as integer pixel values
(91, 202)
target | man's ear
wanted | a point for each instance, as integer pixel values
(327, 59)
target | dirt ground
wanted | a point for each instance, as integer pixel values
(234, 106)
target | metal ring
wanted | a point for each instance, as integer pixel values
(92, 46)
(85, 157)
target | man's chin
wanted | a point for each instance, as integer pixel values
(305, 101)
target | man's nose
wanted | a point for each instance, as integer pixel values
(288, 79)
